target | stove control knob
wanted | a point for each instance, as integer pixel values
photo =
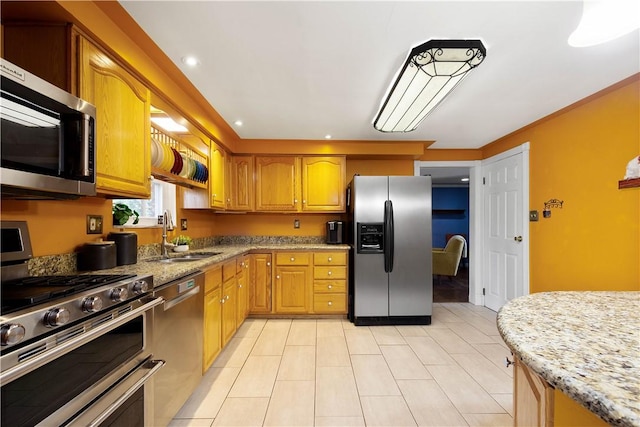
(12, 333)
(56, 317)
(140, 287)
(118, 294)
(92, 304)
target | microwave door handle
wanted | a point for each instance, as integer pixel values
(85, 168)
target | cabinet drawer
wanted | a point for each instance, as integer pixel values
(213, 279)
(337, 272)
(330, 258)
(292, 258)
(330, 303)
(330, 286)
(228, 270)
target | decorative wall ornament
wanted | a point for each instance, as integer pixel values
(551, 203)
(633, 168)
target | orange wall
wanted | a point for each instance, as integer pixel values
(578, 156)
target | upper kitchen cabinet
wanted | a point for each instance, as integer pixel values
(323, 184)
(277, 183)
(46, 50)
(217, 158)
(300, 184)
(240, 194)
(123, 153)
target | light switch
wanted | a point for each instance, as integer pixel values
(533, 216)
(296, 223)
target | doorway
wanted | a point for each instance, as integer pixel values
(448, 174)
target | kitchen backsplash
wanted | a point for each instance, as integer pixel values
(67, 263)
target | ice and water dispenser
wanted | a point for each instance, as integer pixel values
(370, 238)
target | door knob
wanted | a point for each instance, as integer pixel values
(518, 238)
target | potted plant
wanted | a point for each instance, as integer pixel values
(181, 243)
(122, 213)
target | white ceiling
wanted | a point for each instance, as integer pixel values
(302, 69)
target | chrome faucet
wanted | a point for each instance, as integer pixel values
(167, 225)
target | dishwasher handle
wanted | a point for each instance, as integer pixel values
(168, 305)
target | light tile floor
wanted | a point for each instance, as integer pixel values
(328, 372)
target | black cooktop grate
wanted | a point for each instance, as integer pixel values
(21, 293)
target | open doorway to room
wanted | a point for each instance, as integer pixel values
(450, 217)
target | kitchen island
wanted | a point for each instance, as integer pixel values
(584, 344)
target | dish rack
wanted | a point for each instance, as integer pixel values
(175, 161)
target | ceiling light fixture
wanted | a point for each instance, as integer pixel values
(605, 20)
(238, 123)
(191, 61)
(327, 136)
(431, 71)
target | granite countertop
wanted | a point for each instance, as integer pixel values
(586, 344)
(166, 272)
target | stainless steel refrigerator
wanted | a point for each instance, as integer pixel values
(390, 264)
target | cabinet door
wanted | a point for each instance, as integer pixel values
(242, 183)
(277, 183)
(243, 290)
(260, 287)
(533, 398)
(123, 138)
(323, 183)
(229, 296)
(216, 177)
(292, 290)
(212, 327)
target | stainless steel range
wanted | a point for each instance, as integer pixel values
(76, 350)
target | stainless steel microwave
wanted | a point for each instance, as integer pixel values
(48, 142)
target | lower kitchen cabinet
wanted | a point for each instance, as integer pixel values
(229, 295)
(212, 343)
(537, 403)
(243, 273)
(330, 282)
(260, 284)
(293, 291)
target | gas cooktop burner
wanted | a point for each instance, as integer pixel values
(24, 292)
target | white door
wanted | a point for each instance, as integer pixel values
(504, 235)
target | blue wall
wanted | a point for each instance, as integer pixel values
(449, 222)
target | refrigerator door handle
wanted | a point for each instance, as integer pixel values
(388, 236)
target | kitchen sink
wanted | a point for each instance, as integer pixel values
(195, 256)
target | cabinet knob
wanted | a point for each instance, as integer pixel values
(295, 200)
(304, 201)
(222, 301)
(329, 286)
(278, 277)
(329, 303)
(239, 286)
(215, 195)
(329, 273)
(292, 259)
(227, 297)
(330, 259)
(268, 264)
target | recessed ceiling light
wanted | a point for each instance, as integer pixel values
(191, 61)
(238, 123)
(465, 180)
(327, 136)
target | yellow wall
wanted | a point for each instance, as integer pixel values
(578, 156)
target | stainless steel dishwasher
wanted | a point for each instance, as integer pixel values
(177, 336)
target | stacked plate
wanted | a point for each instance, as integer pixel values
(170, 160)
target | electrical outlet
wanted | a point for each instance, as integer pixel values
(533, 216)
(94, 224)
(183, 224)
(296, 223)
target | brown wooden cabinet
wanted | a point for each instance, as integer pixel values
(123, 150)
(330, 282)
(323, 184)
(217, 159)
(260, 286)
(212, 316)
(300, 184)
(277, 183)
(229, 295)
(243, 273)
(241, 197)
(293, 292)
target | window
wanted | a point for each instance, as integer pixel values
(163, 197)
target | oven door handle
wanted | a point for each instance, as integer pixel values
(117, 395)
(73, 343)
